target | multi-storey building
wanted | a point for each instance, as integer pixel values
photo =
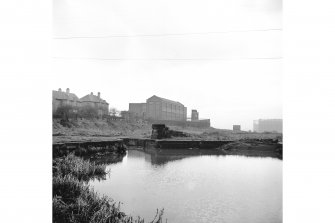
(158, 108)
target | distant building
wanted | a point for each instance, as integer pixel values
(268, 125)
(95, 101)
(138, 109)
(61, 98)
(164, 109)
(236, 127)
(194, 115)
(203, 123)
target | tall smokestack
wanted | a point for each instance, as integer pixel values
(98, 94)
(67, 90)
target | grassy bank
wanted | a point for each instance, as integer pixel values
(100, 129)
(74, 201)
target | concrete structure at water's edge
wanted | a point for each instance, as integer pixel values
(236, 127)
(268, 125)
(64, 98)
(95, 101)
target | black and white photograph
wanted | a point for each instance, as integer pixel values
(167, 111)
(157, 111)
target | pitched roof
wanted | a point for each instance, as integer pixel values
(64, 96)
(92, 98)
(166, 100)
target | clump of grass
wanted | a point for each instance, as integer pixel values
(77, 167)
(67, 187)
(92, 150)
(74, 201)
(86, 206)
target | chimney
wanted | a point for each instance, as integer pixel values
(98, 94)
(91, 93)
(67, 90)
(60, 89)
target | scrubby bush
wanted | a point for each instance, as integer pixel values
(88, 112)
(65, 112)
(77, 167)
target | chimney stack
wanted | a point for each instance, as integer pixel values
(91, 93)
(60, 89)
(98, 94)
(67, 90)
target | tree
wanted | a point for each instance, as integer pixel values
(88, 112)
(65, 112)
(114, 112)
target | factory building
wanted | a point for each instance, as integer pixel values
(164, 109)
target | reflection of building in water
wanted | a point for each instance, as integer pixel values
(268, 125)
(161, 157)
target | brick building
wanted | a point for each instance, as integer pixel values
(138, 109)
(194, 115)
(64, 98)
(95, 101)
(158, 108)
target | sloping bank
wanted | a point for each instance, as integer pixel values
(74, 201)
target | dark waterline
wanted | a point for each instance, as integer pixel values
(196, 188)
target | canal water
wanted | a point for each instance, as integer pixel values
(196, 187)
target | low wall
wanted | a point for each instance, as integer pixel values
(89, 147)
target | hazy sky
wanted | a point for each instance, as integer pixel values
(190, 51)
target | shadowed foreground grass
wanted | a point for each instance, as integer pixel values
(73, 200)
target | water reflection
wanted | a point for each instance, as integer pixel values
(160, 157)
(196, 186)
